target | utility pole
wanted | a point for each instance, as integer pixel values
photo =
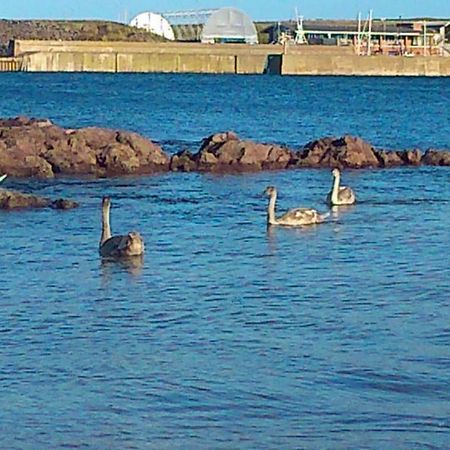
(424, 38)
(369, 41)
(358, 38)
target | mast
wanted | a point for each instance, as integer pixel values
(369, 41)
(358, 39)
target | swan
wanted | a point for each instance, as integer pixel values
(340, 195)
(130, 244)
(3, 177)
(294, 217)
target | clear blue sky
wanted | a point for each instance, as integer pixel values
(257, 9)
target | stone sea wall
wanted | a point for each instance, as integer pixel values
(39, 148)
(180, 57)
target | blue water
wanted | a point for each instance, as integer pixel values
(227, 335)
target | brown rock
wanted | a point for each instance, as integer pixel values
(117, 159)
(183, 162)
(225, 152)
(436, 158)
(347, 151)
(147, 151)
(17, 200)
(389, 159)
(62, 203)
(71, 156)
(413, 157)
(36, 147)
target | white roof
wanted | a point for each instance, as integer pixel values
(229, 23)
(155, 23)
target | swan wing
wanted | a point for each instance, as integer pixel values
(346, 194)
(113, 246)
(300, 216)
(3, 177)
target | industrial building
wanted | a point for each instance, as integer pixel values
(372, 36)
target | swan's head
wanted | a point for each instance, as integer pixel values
(270, 190)
(335, 172)
(134, 245)
(106, 202)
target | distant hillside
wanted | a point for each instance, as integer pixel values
(82, 30)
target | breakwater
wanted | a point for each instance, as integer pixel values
(118, 57)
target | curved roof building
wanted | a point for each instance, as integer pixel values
(155, 23)
(229, 25)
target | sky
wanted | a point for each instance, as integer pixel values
(119, 10)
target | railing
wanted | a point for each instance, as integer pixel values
(9, 65)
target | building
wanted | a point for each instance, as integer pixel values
(229, 25)
(208, 26)
(154, 23)
(377, 36)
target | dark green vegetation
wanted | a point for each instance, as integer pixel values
(70, 30)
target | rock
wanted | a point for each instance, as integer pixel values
(225, 152)
(18, 200)
(434, 157)
(38, 148)
(183, 162)
(117, 159)
(389, 159)
(413, 157)
(347, 151)
(62, 203)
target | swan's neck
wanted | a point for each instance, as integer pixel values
(271, 220)
(106, 228)
(335, 188)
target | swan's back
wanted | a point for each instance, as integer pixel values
(301, 216)
(346, 195)
(127, 245)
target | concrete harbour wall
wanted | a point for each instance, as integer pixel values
(143, 62)
(365, 65)
(59, 56)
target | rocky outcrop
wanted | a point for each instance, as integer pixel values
(38, 148)
(18, 200)
(347, 151)
(399, 158)
(225, 152)
(436, 158)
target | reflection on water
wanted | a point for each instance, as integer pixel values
(228, 335)
(337, 212)
(111, 266)
(227, 322)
